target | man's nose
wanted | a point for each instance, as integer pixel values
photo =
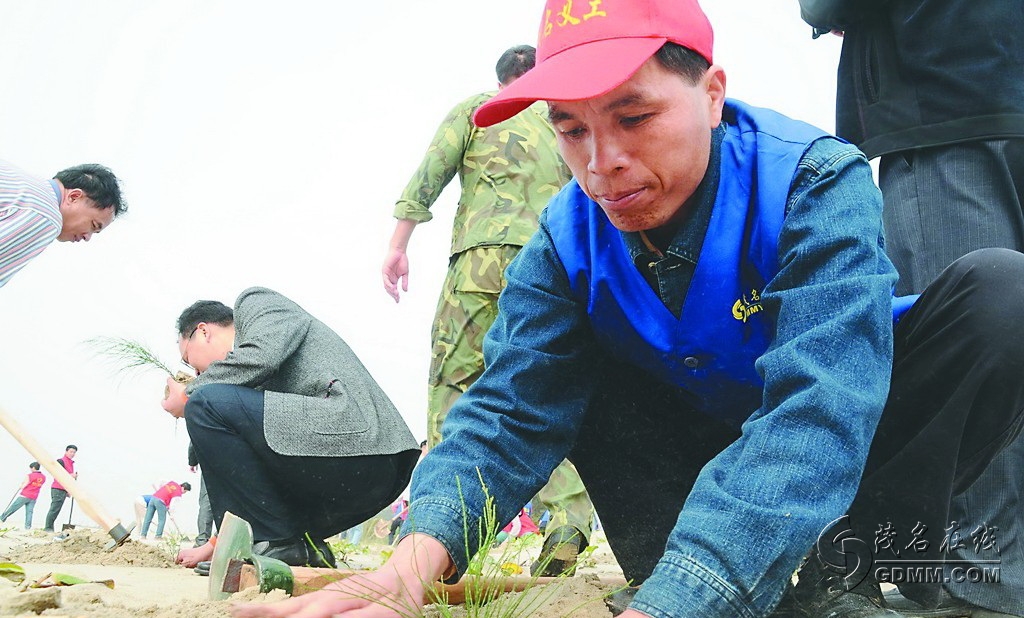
(606, 156)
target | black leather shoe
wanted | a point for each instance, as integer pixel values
(292, 553)
(559, 553)
(821, 593)
(949, 607)
(297, 553)
(203, 568)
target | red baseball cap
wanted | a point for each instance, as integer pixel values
(587, 48)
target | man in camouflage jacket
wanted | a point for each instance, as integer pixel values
(508, 173)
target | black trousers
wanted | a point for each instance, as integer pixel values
(956, 399)
(57, 497)
(283, 497)
(943, 202)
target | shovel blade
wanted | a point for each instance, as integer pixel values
(234, 543)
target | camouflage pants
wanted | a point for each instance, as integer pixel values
(466, 309)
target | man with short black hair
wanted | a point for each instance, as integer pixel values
(57, 492)
(292, 432)
(159, 503)
(77, 203)
(704, 325)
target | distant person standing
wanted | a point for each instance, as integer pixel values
(508, 173)
(77, 203)
(57, 491)
(28, 495)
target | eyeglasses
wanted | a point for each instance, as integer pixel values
(184, 354)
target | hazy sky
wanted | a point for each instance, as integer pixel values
(260, 144)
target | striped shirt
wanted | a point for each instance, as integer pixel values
(30, 218)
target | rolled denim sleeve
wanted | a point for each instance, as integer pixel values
(520, 418)
(757, 508)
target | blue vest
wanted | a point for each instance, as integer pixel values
(710, 350)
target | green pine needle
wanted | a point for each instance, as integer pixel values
(127, 354)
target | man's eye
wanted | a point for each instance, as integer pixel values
(574, 133)
(635, 120)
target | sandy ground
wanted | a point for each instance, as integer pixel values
(148, 585)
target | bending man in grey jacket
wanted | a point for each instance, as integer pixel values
(292, 432)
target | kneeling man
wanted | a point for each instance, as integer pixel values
(292, 432)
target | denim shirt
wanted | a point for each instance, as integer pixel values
(757, 507)
(669, 274)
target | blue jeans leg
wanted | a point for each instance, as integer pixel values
(15, 505)
(30, 507)
(161, 515)
(148, 519)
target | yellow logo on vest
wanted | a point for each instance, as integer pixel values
(746, 307)
(565, 16)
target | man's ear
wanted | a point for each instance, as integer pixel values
(714, 84)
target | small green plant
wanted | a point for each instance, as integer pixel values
(343, 548)
(586, 559)
(491, 573)
(4, 531)
(172, 542)
(488, 574)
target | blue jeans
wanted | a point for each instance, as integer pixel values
(28, 503)
(158, 507)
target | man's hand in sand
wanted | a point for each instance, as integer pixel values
(194, 555)
(396, 589)
(174, 398)
(373, 595)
